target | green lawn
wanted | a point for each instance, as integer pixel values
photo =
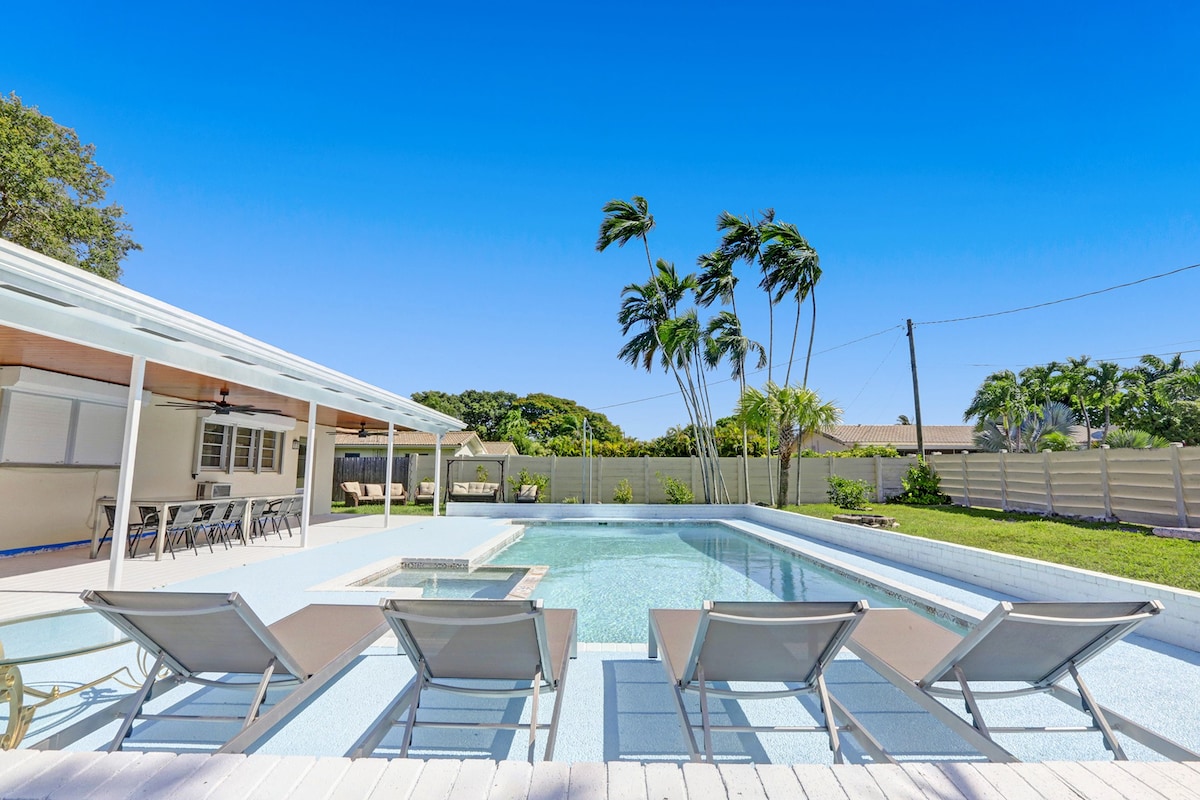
(1130, 551)
(377, 508)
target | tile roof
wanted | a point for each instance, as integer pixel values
(500, 448)
(945, 436)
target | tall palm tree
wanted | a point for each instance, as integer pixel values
(623, 222)
(791, 267)
(742, 240)
(724, 339)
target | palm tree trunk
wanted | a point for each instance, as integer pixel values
(787, 376)
(812, 333)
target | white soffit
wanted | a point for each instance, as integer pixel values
(47, 297)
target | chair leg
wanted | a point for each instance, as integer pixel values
(260, 694)
(559, 692)
(533, 712)
(411, 722)
(972, 705)
(139, 701)
(835, 743)
(704, 719)
(1097, 714)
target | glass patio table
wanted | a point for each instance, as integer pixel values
(47, 637)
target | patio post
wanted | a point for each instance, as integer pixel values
(309, 457)
(437, 472)
(133, 418)
(387, 480)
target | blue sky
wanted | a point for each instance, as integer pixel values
(411, 193)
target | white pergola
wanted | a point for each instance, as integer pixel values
(59, 318)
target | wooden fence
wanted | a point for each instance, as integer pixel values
(1151, 487)
(371, 469)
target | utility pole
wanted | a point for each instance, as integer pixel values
(912, 356)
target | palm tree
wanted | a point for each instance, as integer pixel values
(623, 222)
(1108, 388)
(1078, 379)
(796, 411)
(791, 267)
(1002, 400)
(1042, 428)
(724, 339)
(903, 420)
(741, 240)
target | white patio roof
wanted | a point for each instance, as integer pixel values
(193, 356)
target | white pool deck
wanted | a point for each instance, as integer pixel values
(629, 754)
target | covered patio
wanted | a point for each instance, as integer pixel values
(94, 379)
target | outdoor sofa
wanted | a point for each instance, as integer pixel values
(358, 494)
(475, 492)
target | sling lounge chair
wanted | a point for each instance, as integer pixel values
(480, 641)
(1036, 644)
(194, 634)
(772, 642)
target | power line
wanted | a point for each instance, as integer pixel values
(871, 377)
(1098, 358)
(1063, 300)
(752, 372)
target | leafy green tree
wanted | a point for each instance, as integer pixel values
(441, 401)
(52, 190)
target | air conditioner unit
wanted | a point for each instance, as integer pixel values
(209, 490)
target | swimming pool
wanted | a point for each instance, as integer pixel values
(614, 572)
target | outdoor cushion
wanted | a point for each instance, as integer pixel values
(527, 493)
(374, 491)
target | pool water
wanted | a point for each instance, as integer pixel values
(613, 573)
(486, 583)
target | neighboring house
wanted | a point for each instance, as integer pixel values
(938, 438)
(455, 444)
(943, 438)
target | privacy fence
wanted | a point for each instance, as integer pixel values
(1150, 487)
(575, 479)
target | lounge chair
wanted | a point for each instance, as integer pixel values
(771, 642)
(478, 641)
(192, 634)
(528, 493)
(1029, 643)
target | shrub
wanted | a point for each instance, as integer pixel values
(1118, 438)
(848, 492)
(623, 493)
(570, 499)
(527, 478)
(922, 487)
(678, 492)
(481, 473)
(867, 451)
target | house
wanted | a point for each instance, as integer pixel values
(456, 444)
(944, 438)
(108, 393)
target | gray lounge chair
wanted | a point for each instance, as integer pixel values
(1036, 644)
(480, 641)
(192, 634)
(772, 642)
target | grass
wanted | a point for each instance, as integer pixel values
(1123, 549)
(377, 508)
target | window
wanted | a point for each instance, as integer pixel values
(229, 448)
(48, 418)
(245, 449)
(214, 447)
(268, 451)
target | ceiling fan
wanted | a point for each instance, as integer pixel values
(221, 407)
